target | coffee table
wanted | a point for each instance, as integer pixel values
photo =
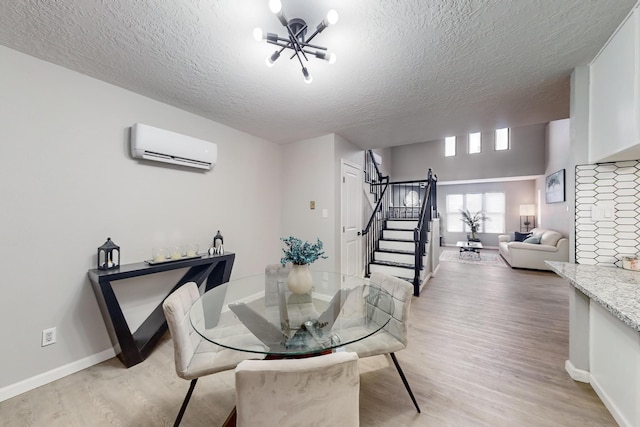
(472, 247)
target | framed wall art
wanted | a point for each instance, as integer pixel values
(554, 187)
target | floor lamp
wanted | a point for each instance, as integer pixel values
(527, 217)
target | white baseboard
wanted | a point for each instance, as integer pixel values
(434, 272)
(608, 403)
(424, 281)
(586, 377)
(55, 374)
(577, 374)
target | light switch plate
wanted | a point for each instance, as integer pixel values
(603, 211)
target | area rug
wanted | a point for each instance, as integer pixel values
(491, 258)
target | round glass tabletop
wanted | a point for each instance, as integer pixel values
(259, 314)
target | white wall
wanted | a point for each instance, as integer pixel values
(312, 171)
(558, 216)
(579, 153)
(344, 150)
(579, 137)
(308, 174)
(67, 182)
(525, 158)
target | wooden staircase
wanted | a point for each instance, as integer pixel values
(396, 249)
(397, 237)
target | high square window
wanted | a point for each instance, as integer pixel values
(474, 143)
(502, 139)
(450, 146)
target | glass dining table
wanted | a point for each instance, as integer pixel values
(259, 314)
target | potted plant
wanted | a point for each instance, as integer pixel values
(300, 255)
(473, 221)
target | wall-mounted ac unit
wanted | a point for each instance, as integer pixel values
(148, 142)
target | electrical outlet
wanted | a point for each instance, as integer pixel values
(48, 336)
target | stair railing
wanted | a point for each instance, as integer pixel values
(372, 172)
(379, 188)
(429, 208)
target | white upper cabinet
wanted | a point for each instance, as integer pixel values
(614, 116)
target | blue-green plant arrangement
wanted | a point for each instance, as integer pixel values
(300, 253)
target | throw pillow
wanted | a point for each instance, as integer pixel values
(532, 239)
(520, 237)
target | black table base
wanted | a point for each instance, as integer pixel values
(133, 348)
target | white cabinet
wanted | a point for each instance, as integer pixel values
(614, 115)
(614, 354)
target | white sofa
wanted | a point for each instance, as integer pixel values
(553, 247)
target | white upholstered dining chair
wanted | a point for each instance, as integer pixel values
(318, 391)
(393, 337)
(274, 276)
(194, 356)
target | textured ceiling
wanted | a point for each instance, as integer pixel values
(407, 71)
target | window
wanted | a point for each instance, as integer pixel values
(473, 204)
(502, 139)
(474, 143)
(493, 205)
(455, 203)
(450, 146)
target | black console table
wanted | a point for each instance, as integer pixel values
(133, 348)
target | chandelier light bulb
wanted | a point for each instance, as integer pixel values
(257, 34)
(271, 59)
(307, 77)
(332, 58)
(275, 6)
(332, 17)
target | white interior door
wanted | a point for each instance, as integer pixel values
(351, 198)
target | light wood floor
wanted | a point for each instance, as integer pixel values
(487, 348)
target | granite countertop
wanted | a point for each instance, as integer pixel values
(615, 289)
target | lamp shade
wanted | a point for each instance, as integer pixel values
(527, 210)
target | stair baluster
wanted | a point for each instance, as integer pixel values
(399, 202)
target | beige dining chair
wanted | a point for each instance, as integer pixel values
(319, 391)
(393, 337)
(274, 276)
(194, 356)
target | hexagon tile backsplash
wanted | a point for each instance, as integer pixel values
(605, 239)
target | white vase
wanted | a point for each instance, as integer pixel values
(299, 280)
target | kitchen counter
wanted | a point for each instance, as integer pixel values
(617, 290)
(604, 334)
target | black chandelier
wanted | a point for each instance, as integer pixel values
(296, 39)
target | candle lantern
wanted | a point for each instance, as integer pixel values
(217, 247)
(108, 255)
